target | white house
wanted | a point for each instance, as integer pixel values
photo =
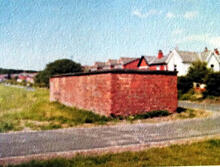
(213, 60)
(181, 60)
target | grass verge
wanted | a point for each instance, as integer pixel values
(201, 153)
(21, 109)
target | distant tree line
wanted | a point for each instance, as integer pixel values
(14, 71)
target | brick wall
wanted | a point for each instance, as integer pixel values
(119, 92)
(91, 92)
(137, 93)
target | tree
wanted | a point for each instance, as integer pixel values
(213, 84)
(184, 84)
(198, 72)
(61, 66)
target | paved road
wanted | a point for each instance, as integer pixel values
(202, 106)
(21, 144)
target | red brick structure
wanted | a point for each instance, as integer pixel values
(118, 92)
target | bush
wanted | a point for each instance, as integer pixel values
(184, 84)
(151, 114)
(188, 95)
(198, 72)
(6, 126)
(213, 84)
(145, 115)
(180, 110)
(214, 143)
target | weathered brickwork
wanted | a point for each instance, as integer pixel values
(91, 92)
(136, 93)
(118, 93)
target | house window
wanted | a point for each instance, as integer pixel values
(212, 66)
(175, 67)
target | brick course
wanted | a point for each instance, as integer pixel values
(118, 92)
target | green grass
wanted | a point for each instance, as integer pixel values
(20, 108)
(201, 153)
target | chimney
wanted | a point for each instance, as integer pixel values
(160, 54)
(216, 51)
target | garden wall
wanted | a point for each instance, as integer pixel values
(118, 92)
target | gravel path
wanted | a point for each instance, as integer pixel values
(29, 143)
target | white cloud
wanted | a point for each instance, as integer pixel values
(212, 41)
(170, 15)
(177, 31)
(151, 12)
(138, 13)
(191, 14)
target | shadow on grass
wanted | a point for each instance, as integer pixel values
(180, 110)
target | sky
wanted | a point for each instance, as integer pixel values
(36, 32)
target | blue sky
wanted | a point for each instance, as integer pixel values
(36, 32)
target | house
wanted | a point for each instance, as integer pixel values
(176, 60)
(181, 60)
(110, 64)
(26, 77)
(145, 61)
(21, 78)
(97, 66)
(3, 77)
(122, 63)
(213, 60)
(154, 63)
(129, 63)
(85, 68)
